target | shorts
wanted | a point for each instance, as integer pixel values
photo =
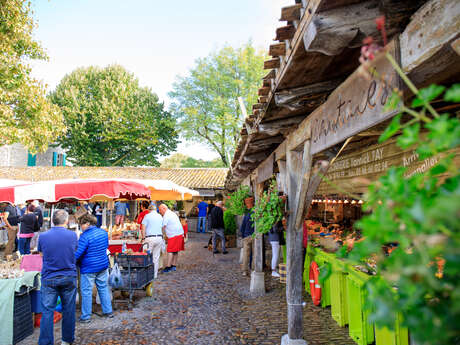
(175, 244)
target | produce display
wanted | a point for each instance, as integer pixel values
(10, 269)
(125, 231)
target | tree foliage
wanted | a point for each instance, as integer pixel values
(206, 101)
(111, 120)
(420, 212)
(179, 160)
(26, 116)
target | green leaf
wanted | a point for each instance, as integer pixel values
(453, 94)
(392, 128)
(427, 94)
(409, 136)
(393, 101)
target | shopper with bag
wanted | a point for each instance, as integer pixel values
(91, 256)
(152, 235)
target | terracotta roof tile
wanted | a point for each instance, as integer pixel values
(204, 178)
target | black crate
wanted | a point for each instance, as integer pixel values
(125, 260)
(139, 277)
(23, 325)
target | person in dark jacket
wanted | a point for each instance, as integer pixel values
(217, 226)
(29, 225)
(246, 231)
(91, 256)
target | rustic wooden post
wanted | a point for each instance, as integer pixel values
(257, 286)
(298, 166)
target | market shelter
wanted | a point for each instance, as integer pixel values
(319, 113)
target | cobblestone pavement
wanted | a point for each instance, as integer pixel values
(206, 301)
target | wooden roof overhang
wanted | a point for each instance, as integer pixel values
(317, 54)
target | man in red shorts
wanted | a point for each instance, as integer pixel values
(172, 228)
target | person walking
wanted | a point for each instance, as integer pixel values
(174, 233)
(246, 231)
(152, 234)
(276, 238)
(59, 279)
(121, 209)
(217, 226)
(29, 226)
(202, 208)
(91, 257)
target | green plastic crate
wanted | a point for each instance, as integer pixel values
(400, 336)
(360, 330)
(339, 299)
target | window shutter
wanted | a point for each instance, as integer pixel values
(63, 159)
(54, 159)
(31, 160)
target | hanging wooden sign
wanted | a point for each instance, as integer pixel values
(356, 105)
(350, 172)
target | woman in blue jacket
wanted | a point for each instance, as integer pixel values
(91, 256)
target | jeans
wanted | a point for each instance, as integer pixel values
(24, 245)
(275, 254)
(99, 220)
(218, 233)
(66, 288)
(87, 281)
(201, 224)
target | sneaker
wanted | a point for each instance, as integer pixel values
(225, 252)
(216, 252)
(173, 268)
(166, 270)
(84, 320)
(275, 274)
(109, 315)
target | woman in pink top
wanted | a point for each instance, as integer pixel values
(29, 225)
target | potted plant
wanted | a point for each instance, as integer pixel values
(230, 229)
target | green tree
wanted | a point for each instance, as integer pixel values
(26, 116)
(206, 101)
(179, 160)
(111, 120)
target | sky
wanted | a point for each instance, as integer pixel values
(156, 40)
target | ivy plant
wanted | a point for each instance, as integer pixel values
(420, 212)
(235, 203)
(268, 209)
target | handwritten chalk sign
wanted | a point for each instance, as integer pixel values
(356, 105)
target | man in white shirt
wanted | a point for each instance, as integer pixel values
(174, 232)
(152, 234)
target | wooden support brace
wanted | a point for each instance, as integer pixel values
(263, 91)
(291, 13)
(277, 49)
(285, 33)
(272, 63)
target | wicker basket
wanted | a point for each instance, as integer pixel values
(283, 274)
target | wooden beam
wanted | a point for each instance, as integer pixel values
(285, 33)
(272, 63)
(255, 157)
(277, 49)
(296, 98)
(280, 152)
(275, 127)
(298, 165)
(263, 99)
(332, 31)
(270, 75)
(257, 106)
(267, 82)
(263, 91)
(426, 43)
(291, 13)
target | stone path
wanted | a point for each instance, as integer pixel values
(206, 301)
